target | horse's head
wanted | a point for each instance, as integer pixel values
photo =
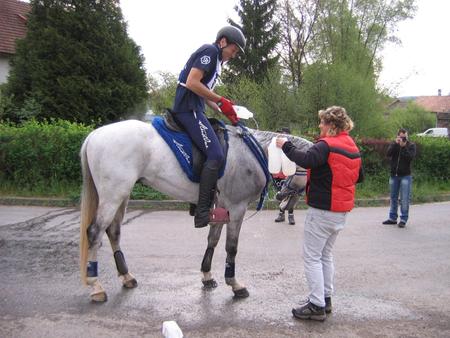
(291, 190)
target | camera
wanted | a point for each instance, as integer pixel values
(403, 138)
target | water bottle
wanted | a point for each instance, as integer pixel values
(287, 166)
(243, 112)
(171, 329)
(274, 154)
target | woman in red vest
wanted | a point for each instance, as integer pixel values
(334, 167)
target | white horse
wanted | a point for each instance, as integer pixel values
(116, 156)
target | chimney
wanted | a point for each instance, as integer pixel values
(439, 92)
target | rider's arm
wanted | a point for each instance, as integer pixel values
(213, 105)
(194, 84)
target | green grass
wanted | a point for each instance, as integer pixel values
(372, 187)
(68, 190)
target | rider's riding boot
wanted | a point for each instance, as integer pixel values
(207, 189)
(291, 218)
(280, 217)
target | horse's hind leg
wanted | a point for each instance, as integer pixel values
(105, 215)
(213, 238)
(113, 232)
(233, 229)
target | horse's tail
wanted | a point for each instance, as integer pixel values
(89, 205)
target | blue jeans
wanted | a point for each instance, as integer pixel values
(400, 185)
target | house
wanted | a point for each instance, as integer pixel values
(438, 105)
(13, 18)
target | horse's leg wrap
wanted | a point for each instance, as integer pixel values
(206, 263)
(229, 270)
(120, 262)
(91, 272)
(92, 269)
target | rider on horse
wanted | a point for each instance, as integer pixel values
(195, 88)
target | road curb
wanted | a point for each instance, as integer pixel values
(180, 205)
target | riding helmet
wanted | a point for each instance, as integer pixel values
(233, 35)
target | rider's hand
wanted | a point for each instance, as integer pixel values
(226, 106)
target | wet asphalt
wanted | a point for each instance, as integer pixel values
(390, 282)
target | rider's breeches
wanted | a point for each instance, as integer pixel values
(202, 134)
(321, 230)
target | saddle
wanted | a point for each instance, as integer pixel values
(217, 215)
(198, 158)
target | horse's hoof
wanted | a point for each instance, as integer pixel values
(130, 284)
(99, 297)
(241, 293)
(209, 284)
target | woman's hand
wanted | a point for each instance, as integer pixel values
(280, 141)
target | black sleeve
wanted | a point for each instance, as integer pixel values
(361, 174)
(409, 151)
(393, 148)
(314, 157)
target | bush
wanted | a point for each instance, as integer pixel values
(432, 160)
(413, 118)
(41, 152)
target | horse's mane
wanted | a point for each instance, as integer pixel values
(265, 137)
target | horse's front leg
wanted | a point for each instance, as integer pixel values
(213, 238)
(233, 229)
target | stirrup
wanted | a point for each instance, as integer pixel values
(219, 216)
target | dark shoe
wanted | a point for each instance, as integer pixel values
(206, 193)
(280, 217)
(310, 311)
(328, 306)
(291, 219)
(389, 221)
(401, 224)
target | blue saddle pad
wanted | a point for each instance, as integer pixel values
(181, 145)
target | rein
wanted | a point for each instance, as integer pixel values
(257, 150)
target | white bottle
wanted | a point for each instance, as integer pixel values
(243, 112)
(171, 329)
(274, 154)
(287, 166)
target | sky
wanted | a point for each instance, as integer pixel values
(169, 31)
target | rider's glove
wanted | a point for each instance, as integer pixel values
(226, 106)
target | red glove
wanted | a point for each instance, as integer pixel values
(226, 106)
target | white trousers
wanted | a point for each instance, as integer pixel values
(321, 230)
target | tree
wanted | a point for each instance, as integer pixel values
(77, 63)
(262, 38)
(162, 90)
(297, 23)
(355, 31)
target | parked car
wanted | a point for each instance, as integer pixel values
(435, 132)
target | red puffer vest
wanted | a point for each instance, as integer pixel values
(344, 161)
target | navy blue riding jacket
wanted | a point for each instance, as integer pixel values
(207, 58)
(189, 108)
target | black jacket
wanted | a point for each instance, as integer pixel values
(401, 158)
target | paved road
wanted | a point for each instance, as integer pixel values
(389, 281)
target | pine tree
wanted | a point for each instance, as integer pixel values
(77, 63)
(262, 37)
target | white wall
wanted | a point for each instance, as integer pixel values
(4, 68)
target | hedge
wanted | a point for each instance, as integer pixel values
(42, 152)
(37, 152)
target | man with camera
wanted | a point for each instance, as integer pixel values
(401, 152)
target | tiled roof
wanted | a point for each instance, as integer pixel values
(435, 104)
(13, 17)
